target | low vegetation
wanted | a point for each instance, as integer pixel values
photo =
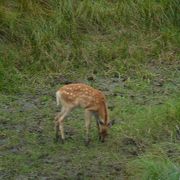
(128, 49)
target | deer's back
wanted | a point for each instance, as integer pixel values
(82, 95)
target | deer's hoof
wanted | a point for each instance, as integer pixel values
(56, 139)
(87, 142)
(62, 141)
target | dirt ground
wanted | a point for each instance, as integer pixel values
(27, 147)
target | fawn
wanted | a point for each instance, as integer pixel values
(92, 100)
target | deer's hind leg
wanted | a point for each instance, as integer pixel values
(56, 124)
(60, 123)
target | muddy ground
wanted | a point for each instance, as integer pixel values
(27, 147)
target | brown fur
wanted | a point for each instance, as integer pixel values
(92, 100)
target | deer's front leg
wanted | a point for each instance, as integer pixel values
(88, 116)
(97, 123)
(99, 134)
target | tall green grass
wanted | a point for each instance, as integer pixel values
(154, 167)
(41, 37)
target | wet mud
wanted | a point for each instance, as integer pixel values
(27, 133)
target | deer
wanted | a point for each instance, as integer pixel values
(93, 102)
